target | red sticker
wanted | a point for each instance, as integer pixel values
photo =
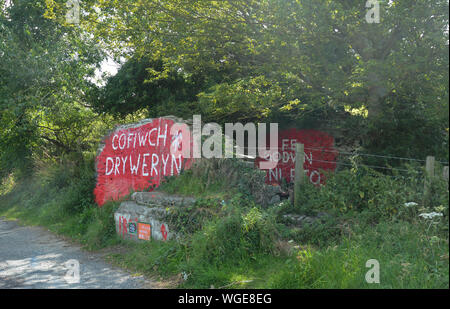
(144, 231)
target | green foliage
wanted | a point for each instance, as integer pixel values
(237, 245)
(100, 231)
(328, 231)
(164, 258)
(233, 61)
(44, 75)
(409, 128)
(301, 62)
(77, 180)
(192, 185)
(251, 99)
(363, 189)
(129, 91)
(235, 236)
(409, 256)
(222, 179)
(187, 220)
(60, 197)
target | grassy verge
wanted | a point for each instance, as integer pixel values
(409, 257)
(60, 199)
(243, 245)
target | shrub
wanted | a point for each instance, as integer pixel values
(192, 218)
(81, 185)
(100, 224)
(235, 236)
(363, 189)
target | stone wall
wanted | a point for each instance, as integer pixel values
(240, 174)
(148, 209)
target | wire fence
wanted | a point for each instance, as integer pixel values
(339, 152)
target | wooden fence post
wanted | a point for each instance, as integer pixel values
(429, 175)
(299, 172)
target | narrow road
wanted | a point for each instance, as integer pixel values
(33, 258)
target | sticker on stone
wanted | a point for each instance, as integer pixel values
(144, 231)
(132, 229)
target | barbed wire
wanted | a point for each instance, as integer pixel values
(358, 164)
(374, 155)
(339, 152)
(370, 166)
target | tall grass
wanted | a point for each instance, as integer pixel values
(60, 197)
(235, 243)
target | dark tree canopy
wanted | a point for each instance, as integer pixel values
(129, 90)
(296, 62)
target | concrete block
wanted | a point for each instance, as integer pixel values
(156, 198)
(132, 219)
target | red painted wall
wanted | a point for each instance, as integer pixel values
(136, 158)
(319, 155)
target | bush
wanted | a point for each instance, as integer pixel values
(60, 197)
(81, 188)
(329, 231)
(234, 237)
(192, 218)
(363, 189)
(75, 180)
(100, 225)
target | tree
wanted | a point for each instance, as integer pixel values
(322, 54)
(44, 76)
(128, 91)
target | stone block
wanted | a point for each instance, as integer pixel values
(130, 214)
(162, 199)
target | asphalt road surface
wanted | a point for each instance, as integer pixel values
(33, 258)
